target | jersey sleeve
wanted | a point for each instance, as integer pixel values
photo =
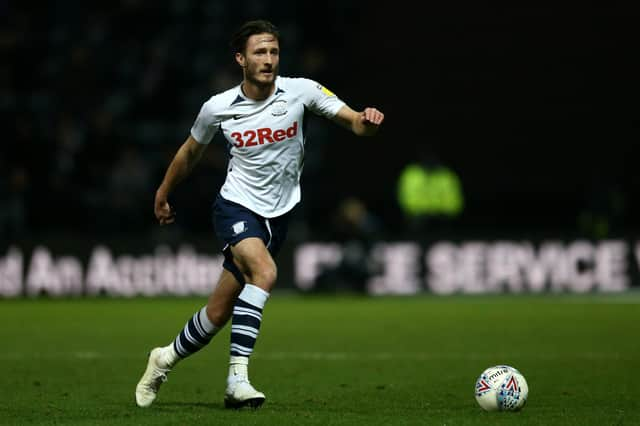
(321, 100)
(206, 124)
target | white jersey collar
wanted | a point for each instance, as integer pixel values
(241, 97)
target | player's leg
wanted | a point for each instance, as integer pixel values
(252, 241)
(222, 299)
(205, 323)
(259, 269)
(197, 333)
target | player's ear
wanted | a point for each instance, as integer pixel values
(240, 59)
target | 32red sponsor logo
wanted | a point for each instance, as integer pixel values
(262, 135)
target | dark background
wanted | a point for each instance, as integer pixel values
(535, 108)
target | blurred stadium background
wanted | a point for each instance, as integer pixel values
(508, 140)
(504, 178)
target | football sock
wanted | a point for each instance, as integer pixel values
(245, 323)
(238, 368)
(195, 335)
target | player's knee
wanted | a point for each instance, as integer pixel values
(265, 276)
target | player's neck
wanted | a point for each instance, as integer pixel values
(257, 92)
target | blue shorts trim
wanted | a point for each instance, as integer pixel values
(234, 222)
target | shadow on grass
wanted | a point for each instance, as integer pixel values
(169, 406)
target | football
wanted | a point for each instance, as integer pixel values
(501, 388)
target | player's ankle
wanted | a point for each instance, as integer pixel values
(239, 360)
(169, 356)
(238, 368)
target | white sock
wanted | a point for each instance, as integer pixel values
(208, 326)
(245, 324)
(238, 369)
(254, 295)
(170, 356)
(196, 334)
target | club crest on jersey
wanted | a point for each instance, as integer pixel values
(239, 227)
(279, 107)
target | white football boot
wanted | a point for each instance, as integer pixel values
(154, 376)
(240, 393)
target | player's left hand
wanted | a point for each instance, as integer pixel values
(371, 116)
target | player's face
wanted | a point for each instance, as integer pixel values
(261, 59)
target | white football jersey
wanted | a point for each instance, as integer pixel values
(266, 140)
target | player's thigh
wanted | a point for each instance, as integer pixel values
(253, 257)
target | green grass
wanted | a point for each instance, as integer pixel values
(331, 360)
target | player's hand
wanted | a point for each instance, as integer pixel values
(371, 116)
(163, 211)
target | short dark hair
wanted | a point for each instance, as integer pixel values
(259, 26)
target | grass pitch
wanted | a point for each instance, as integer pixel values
(330, 360)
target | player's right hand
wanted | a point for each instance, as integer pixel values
(163, 211)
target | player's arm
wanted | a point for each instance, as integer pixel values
(181, 165)
(362, 123)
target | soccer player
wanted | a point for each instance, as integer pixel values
(262, 121)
